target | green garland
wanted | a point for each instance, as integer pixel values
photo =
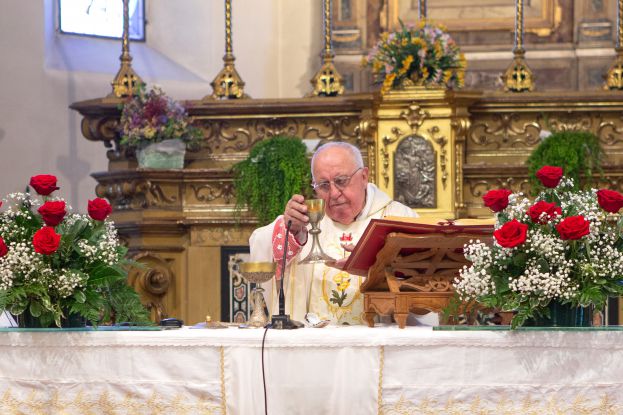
(275, 169)
(579, 153)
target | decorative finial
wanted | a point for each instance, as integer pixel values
(126, 82)
(518, 77)
(327, 81)
(227, 84)
(614, 78)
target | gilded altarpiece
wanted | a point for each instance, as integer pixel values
(178, 221)
(435, 121)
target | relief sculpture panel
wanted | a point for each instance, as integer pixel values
(415, 173)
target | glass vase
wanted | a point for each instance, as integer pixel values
(563, 315)
(167, 154)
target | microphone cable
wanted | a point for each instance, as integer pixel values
(263, 372)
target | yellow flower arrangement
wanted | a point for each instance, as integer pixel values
(422, 54)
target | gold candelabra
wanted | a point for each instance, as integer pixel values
(126, 81)
(422, 9)
(227, 84)
(614, 78)
(518, 77)
(327, 81)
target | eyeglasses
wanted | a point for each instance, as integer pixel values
(340, 182)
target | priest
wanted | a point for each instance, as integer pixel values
(341, 180)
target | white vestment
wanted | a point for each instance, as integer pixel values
(328, 292)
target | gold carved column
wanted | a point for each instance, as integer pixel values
(420, 148)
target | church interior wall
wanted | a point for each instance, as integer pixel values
(276, 44)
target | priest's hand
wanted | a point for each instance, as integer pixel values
(296, 211)
(339, 263)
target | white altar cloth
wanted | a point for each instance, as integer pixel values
(335, 370)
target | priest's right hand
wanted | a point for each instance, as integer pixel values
(296, 211)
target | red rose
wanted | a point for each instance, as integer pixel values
(44, 184)
(609, 200)
(550, 209)
(511, 234)
(46, 241)
(497, 200)
(52, 212)
(573, 227)
(99, 208)
(3, 248)
(549, 175)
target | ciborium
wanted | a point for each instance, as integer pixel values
(257, 273)
(315, 212)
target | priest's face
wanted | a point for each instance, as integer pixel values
(341, 183)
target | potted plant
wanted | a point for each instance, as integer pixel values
(274, 170)
(579, 153)
(55, 264)
(158, 127)
(552, 259)
(422, 54)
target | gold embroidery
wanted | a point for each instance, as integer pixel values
(581, 405)
(381, 367)
(223, 395)
(38, 403)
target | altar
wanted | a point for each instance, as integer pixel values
(335, 370)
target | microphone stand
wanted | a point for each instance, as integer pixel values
(282, 320)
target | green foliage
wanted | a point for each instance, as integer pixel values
(275, 169)
(579, 153)
(85, 276)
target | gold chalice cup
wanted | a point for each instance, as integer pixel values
(257, 272)
(315, 212)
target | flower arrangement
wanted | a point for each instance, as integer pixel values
(422, 54)
(151, 116)
(562, 247)
(54, 262)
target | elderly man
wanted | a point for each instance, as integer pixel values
(341, 179)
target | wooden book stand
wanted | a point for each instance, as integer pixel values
(413, 270)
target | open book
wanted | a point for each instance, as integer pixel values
(373, 238)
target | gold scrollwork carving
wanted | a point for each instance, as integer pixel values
(573, 121)
(157, 195)
(230, 136)
(387, 141)
(152, 282)
(124, 195)
(210, 192)
(100, 129)
(221, 235)
(364, 131)
(610, 133)
(341, 129)
(443, 153)
(505, 130)
(479, 187)
(414, 116)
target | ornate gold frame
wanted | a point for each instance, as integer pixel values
(549, 19)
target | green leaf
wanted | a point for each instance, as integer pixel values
(35, 309)
(79, 296)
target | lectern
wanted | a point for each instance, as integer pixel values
(411, 264)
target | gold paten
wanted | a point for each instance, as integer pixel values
(126, 82)
(227, 84)
(327, 82)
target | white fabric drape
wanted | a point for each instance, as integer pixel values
(335, 370)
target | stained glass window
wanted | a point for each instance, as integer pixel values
(102, 18)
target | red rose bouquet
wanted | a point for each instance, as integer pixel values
(564, 246)
(54, 262)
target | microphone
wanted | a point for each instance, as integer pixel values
(282, 320)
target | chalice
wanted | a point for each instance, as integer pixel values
(257, 272)
(315, 212)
